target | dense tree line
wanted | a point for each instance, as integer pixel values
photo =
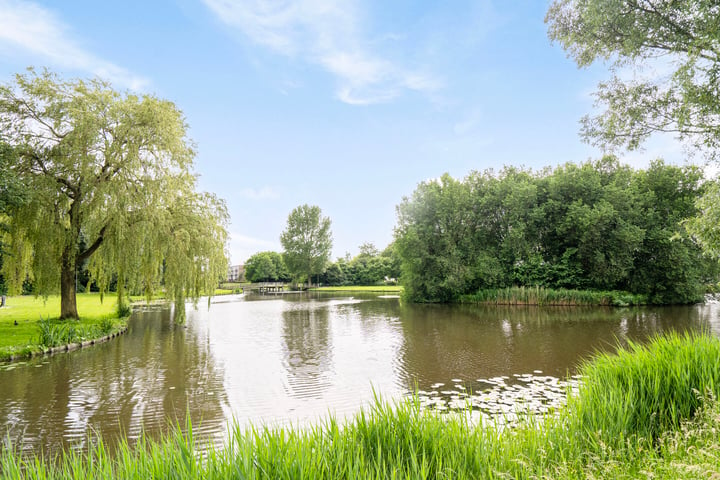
(598, 225)
(369, 267)
(633, 38)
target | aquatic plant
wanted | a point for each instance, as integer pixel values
(50, 333)
(548, 296)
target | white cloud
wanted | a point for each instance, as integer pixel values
(264, 193)
(28, 28)
(242, 247)
(327, 34)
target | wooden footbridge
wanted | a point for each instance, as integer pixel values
(264, 287)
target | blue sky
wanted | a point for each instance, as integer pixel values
(344, 104)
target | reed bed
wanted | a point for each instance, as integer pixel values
(548, 296)
(645, 390)
(635, 412)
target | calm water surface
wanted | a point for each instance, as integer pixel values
(292, 360)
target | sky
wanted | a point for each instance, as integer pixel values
(343, 104)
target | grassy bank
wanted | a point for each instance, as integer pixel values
(390, 289)
(547, 296)
(637, 412)
(38, 326)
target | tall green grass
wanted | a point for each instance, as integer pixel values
(626, 419)
(644, 390)
(52, 333)
(548, 296)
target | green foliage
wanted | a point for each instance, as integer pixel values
(630, 417)
(369, 267)
(124, 310)
(705, 226)
(435, 237)
(51, 333)
(12, 192)
(635, 34)
(12, 196)
(106, 325)
(684, 102)
(595, 226)
(112, 183)
(266, 267)
(307, 241)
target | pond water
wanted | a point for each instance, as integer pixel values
(294, 359)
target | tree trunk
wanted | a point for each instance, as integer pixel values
(68, 301)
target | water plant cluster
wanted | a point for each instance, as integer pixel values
(501, 399)
(22, 335)
(53, 333)
(549, 296)
(634, 412)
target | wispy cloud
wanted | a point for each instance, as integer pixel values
(28, 28)
(264, 193)
(327, 34)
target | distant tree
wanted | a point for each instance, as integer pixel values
(281, 271)
(435, 238)
(266, 267)
(112, 183)
(334, 274)
(307, 241)
(368, 249)
(682, 34)
(260, 268)
(394, 263)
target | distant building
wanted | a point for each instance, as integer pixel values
(236, 273)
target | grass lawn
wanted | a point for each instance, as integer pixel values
(28, 310)
(365, 288)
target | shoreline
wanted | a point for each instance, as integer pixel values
(604, 431)
(37, 350)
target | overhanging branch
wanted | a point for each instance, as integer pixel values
(95, 245)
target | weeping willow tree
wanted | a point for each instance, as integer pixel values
(111, 183)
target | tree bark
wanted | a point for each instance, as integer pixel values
(68, 301)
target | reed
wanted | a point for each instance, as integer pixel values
(634, 414)
(548, 296)
(644, 390)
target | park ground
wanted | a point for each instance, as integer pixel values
(97, 315)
